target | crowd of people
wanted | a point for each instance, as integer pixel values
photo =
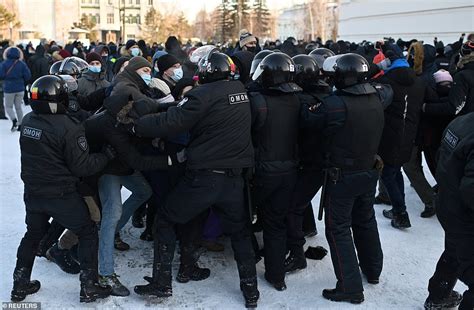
(218, 140)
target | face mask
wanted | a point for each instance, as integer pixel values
(95, 69)
(75, 51)
(135, 51)
(146, 78)
(443, 90)
(251, 49)
(177, 74)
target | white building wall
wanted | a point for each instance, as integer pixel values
(421, 19)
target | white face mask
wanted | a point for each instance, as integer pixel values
(135, 51)
(177, 74)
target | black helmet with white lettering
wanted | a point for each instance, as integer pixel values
(347, 69)
(49, 95)
(215, 67)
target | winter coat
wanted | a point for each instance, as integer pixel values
(104, 128)
(402, 117)
(38, 64)
(89, 82)
(14, 71)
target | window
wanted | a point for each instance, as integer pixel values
(110, 2)
(96, 1)
(138, 2)
(130, 1)
(110, 18)
(97, 18)
(138, 19)
(150, 2)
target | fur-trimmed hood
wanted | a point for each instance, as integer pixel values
(13, 52)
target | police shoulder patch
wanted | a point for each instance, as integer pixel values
(451, 139)
(238, 98)
(82, 142)
(32, 133)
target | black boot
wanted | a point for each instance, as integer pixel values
(248, 283)
(14, 126)
(22, 285)
(63, 259)
(147, 235)
(337, 295)
(160, 284)
(119, 244)
(90, 288)
(137, 219)
(401, 220)
(296, 260)
(429, 211)
(451, 301)
(189, 269)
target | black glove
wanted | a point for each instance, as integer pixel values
(109, 151)
(316, 253)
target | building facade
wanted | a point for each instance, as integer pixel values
(307, 21)
(421, 19)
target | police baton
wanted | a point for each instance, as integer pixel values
(323, 195)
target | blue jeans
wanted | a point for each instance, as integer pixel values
(392, 178)
(114, 214)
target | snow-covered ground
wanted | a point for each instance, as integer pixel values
(409, 260)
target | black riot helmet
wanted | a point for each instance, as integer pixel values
(257, 59)
(49, 95)
(215, 67)
(65, 68)
(307, 70)
(275, 69)
(320, 55)
(347, 69)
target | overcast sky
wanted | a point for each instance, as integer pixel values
(191, 7)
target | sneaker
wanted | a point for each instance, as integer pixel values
(388, 214)
(452, 301)
(63, 259)
(336, 295)
(401, 221)
(118, 289)
(382, 200)
(119, 244)
(428, 212)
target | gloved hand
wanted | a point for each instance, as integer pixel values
(109, 151)
(316, 253)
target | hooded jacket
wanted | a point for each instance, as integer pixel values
(38, 64)
(402, 116)
(14, 71)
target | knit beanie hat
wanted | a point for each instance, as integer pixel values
(166, 61)
(246, 37)
(136, 63)
(442, 76)
(130, 43)
(64, 53)
(119, 63)
(93, 56)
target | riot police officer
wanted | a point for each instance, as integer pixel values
(217, 115)
(310, 172)
(352, 120)
(275, 114)
(455, 211)
(54, 155)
